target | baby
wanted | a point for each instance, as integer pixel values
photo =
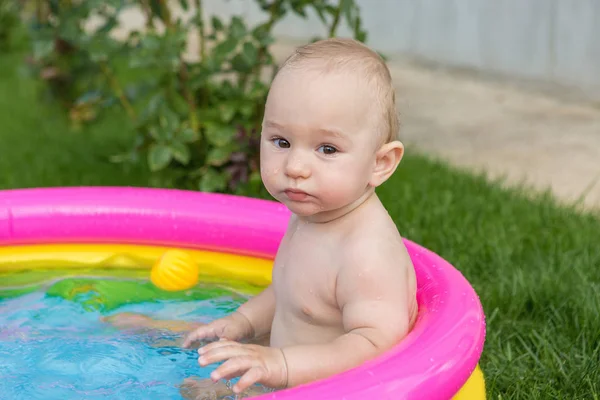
(343, 288)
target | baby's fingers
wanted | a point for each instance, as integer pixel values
(210, 347)
(233, 367)
(220, 351)
(254, 375)
(198, 335)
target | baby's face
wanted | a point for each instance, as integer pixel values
(318, 143)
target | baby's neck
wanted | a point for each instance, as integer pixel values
(337, 214)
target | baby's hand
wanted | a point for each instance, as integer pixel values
(129, 320)
(255, 364)
(233, 327)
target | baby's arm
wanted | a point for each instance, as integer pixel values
(252, 320)
(375, 307)
(371, 292)
(260, 310)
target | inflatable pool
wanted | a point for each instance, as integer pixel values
(237, 237)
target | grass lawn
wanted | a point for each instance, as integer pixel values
(536, 266)
(38, 148)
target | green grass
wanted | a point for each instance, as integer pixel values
(535, 265)
(38, 147)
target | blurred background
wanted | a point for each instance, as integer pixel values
(500, 111)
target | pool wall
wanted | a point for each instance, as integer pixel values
(437, 360)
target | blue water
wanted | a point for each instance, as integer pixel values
(51, 348)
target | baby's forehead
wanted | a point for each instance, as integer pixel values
(331, 102)
(357, 74)
(356, 85)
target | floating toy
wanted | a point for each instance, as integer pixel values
(175, 270)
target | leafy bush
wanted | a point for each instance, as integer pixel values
(197, 118)
(9, 19)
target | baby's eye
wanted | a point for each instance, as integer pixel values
(327, 149)
(282, 143)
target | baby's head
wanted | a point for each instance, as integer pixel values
(330, 128)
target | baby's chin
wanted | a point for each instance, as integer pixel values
(302, 208)
(310, 209)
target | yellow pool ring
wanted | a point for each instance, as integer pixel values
(474, 388)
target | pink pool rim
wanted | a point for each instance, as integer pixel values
(433, 362)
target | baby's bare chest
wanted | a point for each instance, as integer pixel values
(304, 278)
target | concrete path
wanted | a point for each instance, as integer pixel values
(545, 141)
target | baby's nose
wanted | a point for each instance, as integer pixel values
(296, 167)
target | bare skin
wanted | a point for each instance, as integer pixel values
(343, 288)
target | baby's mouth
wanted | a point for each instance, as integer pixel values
(296, 194)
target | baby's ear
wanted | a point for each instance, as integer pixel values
(387, 159)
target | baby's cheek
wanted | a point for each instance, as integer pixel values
(268, 168)
(340, 187)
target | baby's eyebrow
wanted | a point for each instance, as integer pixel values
(325, 131)
(332, 132)
(272, 124)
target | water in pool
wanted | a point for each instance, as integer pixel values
(54, 346)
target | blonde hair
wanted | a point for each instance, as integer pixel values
(349, 55)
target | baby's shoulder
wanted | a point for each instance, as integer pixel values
(379, 246)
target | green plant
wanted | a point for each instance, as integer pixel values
(9, 19)
(197, 114)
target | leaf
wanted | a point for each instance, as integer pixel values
(255, 178)
(169, 119)
(262, 34)
(240, 64)
(223, 49)
(93, 96)
(227, 111)
(218, 156)
(42, 49)
(155, 102)
(361, 36)
(184, 5)
(159, 156)
(319, 10)
(160, 134)
(299, 10)
(219, 135)
(250, 52)
(180, 104)
(247, 110)
(188, 135)
(181, 152)
(347, 8)
(110, 24)
(141, 61)
(237, 28)
(150, 43)
(212, 181)
(216, 23)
